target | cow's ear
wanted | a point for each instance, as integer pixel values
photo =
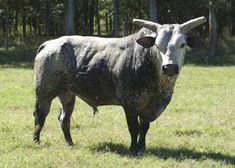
(190, 41)
(193, 41)
(146, 41)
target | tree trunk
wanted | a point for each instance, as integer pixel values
(77, 16)
(152, 10)
(116, 18)
(106, 23)
(213, 34)
(38, 20)
(48, 15)
(16, 16)
(124, 28)
(139, 13)
(91, 17)
(3, 26)
(85, 17)
(6, 42)
(39, 25)
(23, 19)
(69, 22)
(98, 17)
(35, 25)
(110, 26)
(30, 24)
(232, 18)
(5, 33)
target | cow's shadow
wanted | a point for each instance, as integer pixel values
(166, 153)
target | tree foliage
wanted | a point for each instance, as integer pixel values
(47, 17)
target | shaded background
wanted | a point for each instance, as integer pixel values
(25, 24)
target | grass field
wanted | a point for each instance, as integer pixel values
(196, 130)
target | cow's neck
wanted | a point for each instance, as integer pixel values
(167, 88)
(168, 83)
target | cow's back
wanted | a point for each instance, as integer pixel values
(99, 62)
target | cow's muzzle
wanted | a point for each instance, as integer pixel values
(170, 69)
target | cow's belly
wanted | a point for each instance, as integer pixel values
(94, 89)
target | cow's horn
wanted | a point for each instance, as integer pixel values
(148, 24)
(185, 27)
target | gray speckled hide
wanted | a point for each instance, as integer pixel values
(137, 72)
(104, 71)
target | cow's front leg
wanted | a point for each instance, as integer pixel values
(133, 126)
(144, 126)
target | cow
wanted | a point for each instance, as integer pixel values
(137, 72)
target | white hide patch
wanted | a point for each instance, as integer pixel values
(170, 42)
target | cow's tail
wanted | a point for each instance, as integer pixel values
(95, 110)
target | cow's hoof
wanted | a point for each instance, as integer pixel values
(69, 143)
(134, 150)
(141, 147)
(36, 140)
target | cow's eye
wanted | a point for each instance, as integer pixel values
(182, 45)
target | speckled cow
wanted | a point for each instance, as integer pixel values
(137, 72)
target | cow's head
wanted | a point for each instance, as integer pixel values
(170, 40)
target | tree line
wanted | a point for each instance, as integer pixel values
(104, 17)
(24, 19)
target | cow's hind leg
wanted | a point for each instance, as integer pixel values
(42, 108)
(144, 126)
(67, 100)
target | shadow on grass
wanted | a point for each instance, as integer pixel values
(166, 153)
(17, 58)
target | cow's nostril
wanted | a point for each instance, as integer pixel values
(164, 68)
(176, 69)
(170, 69)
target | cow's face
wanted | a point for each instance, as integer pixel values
(170, 41)
(171, 44)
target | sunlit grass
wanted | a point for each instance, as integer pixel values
(196, 130)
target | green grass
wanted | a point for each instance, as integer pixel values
(196, 130)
